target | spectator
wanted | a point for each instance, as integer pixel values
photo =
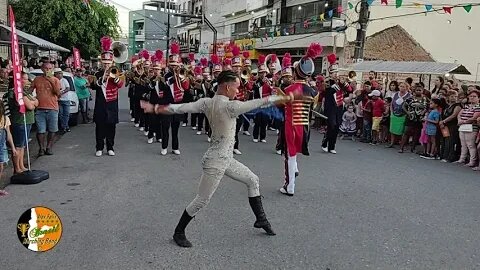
(415, 108)
(63, 102)
(385, 124)
(47, 88)
(20, 131)
(449, 121)
(378, 107)
(83, 93)
(432, 121)
(348, 127)
(468, 129)
(397, 117)
(439, 82)
(5, 136)
(3, 80)
(392, 89)
(409, 82)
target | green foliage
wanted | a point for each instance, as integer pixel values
(68, 23)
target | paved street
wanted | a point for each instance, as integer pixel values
(365, 208)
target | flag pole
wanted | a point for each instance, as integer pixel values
(26, 140)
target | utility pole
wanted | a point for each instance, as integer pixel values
(167, 11)
(363, 17)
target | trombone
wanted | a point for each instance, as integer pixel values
(120, 55)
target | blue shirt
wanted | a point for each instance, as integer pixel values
(431, 128)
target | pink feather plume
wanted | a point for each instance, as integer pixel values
(332, 58)
(215, 60)
(274, 58)
(314, 50)
(144, 54)
(198, 70)
(227, 61)
(287, 60)
(106, 42)
(159, 55)
(153, 58)
(261, 59)
(175, 48)
(204, 62)
(246, 54)
(235, 50)
(191, 56)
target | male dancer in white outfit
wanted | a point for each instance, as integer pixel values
(222, 112)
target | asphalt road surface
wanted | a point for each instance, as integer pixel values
(365, 208)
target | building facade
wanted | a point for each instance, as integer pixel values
(3, 11)
(148, 27)
(264, 26)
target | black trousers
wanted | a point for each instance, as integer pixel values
(185, 118)
(208, 129)
(280, 125)
(139, 114)
(246, 123)
(260, 128)
(237, 130)
(330, 138)
(132, 107)
(449, 145)
(155, 126)
(170, 122)
(197, 120)
(105, 132)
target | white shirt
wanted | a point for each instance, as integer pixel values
(64, 85)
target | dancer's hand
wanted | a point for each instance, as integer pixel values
(147, 106)
(161, 109)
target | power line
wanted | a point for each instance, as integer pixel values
(141, 15)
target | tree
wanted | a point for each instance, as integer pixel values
(68, 23)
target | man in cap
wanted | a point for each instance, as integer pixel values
(63, 102)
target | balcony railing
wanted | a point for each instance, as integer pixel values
(186, 48)
(286, 29)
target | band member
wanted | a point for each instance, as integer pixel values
(141, 89)
(206, 87)
(262, 88)
(157, 86)
(333, 106)
(105, 114)
(178, 84)
(285, 81)
(198, 93)
(217, 68)
(227, 64)
(297, 116)
(187, 97)
(247, 79)
(242, 94)
(218, 161)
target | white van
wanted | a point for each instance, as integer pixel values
(72, 95)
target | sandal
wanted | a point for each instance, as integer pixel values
(3, 192)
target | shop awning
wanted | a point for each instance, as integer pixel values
(42, 43)
(327, 39)
(433, 68)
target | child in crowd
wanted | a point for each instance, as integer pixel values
(385, 124)
(349, 126)
(378, 107)
(431, 123)
(367, 120)
(5, 136)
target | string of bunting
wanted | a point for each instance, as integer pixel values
(315, 20)
(428, 7)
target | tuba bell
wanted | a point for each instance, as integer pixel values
(120, 52)
(246, 73)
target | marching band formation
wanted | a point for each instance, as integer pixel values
(221, 98)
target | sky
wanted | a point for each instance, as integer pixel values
(121, 6)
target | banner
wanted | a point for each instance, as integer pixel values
(16, 64)
(76, 58)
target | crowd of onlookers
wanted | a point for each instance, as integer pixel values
(47, 109)
(441, 123)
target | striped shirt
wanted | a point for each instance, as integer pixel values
(468, 112)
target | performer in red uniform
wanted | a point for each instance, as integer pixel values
(105, 115)
(297, 116)
(177, 85)
(285, 81)
(262, 88)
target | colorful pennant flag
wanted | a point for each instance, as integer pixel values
(398, 3)
(330, 13)
(428, 7)
(385, 2)
(370, 2)
(447, 10)
(339, 9)
(350, 5)
(322, 17)
(417, 4)
(468, 8)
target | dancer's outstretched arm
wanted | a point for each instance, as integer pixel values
(192, 107)
(236, 108)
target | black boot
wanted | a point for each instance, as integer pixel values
(179, 236)
(262, 222)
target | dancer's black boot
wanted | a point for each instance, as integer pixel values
(262, 222)
(179, 236)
